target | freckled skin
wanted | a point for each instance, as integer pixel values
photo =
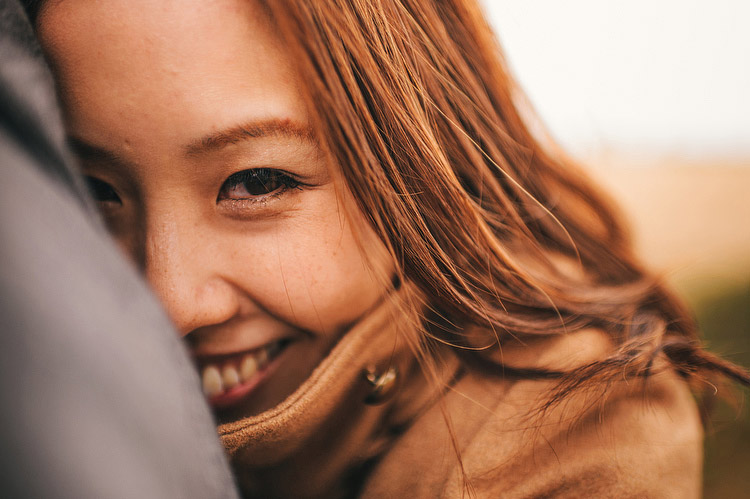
(143, 79)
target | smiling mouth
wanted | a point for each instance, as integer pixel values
(228, 379)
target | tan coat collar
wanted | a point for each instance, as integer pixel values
(315, 442)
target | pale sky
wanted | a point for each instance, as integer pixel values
(668, 76)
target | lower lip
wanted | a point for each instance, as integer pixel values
(238, 393)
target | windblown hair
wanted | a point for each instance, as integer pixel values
(414, 101)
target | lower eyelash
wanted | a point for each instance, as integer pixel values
(242, 207)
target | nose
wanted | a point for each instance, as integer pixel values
(183, 267)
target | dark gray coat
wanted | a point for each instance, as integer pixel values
(97, 395)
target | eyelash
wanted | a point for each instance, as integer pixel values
(101, 191)
(272, 183)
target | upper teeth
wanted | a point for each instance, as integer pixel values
(212, 381)
(248, 367)
(229, 376)
(217, 380)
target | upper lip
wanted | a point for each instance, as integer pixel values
(227, 340)
(217, 358)
(220, 357)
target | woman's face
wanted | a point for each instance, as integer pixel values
(188, 119)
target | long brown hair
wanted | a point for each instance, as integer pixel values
(414, 102)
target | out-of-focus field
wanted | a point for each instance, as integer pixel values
(691, 221)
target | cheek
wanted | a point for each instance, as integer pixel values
(314, 275)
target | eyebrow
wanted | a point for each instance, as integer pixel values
(90, 152)
(251, 130)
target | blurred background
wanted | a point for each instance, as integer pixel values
(651, 96)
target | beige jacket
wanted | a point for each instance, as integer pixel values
(326, 441)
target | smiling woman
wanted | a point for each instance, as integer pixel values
(210, 177)
(388, 284)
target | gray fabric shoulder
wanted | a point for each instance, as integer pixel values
(28, 104)
(97, 394)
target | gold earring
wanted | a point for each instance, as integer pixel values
(382, 386)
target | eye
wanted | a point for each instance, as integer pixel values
(101, 191)
(256, 184)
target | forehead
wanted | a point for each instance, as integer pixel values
(196, 62)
